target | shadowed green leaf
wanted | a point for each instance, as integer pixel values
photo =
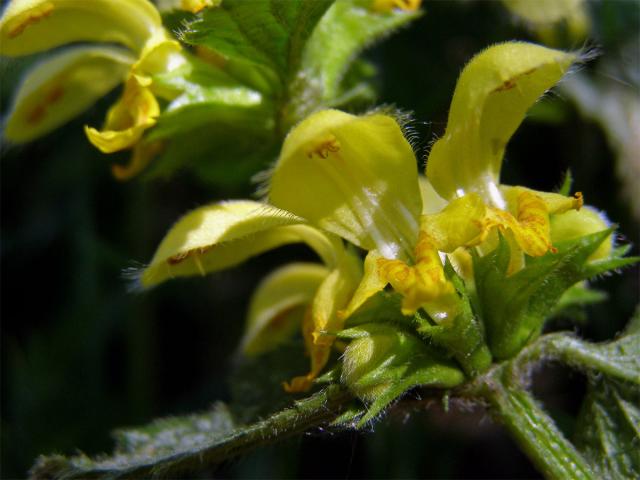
(261, 40)
(347, 28)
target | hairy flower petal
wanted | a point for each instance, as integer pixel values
(492, 95)
(221, 235)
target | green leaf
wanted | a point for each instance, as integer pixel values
(608, 430)
(182, 445)
(261, 40)
(205, 94)
(515, 308)
(230, 155)
(347, 28)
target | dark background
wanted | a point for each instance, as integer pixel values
(81, 355)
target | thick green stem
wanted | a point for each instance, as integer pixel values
(536, 433)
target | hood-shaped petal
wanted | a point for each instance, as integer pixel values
(277, 305)
(353, 176)
(492, 95)
(63, 86)
(218, 236)
(31, 26)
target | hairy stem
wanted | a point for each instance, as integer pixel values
(535, 432)
(317, 410)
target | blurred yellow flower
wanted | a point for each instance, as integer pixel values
(68, 82)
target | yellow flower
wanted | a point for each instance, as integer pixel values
(68, 82)
(544, 16)
(355, 178)
(493, 93)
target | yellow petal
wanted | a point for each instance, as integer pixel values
(462, 223)
(370, 284)
(529, 223)
(353, 176)
(492, 95)
(574, 224)
(160, 54)
(31, 26)
(431, 201)
(423, 285)
(333, 296)
(323, 321)
(63, 86)
(554, 202)
(135, 111)
(221, 235)
(275, 306)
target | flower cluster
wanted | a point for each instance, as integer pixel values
(118, 41)
(351, 178)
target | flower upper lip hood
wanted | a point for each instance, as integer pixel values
(67, 82)
(492, 95)
(353, 176)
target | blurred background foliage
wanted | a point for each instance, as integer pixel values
(81, 355)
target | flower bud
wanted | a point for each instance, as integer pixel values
(382, 360)
(574, 224)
